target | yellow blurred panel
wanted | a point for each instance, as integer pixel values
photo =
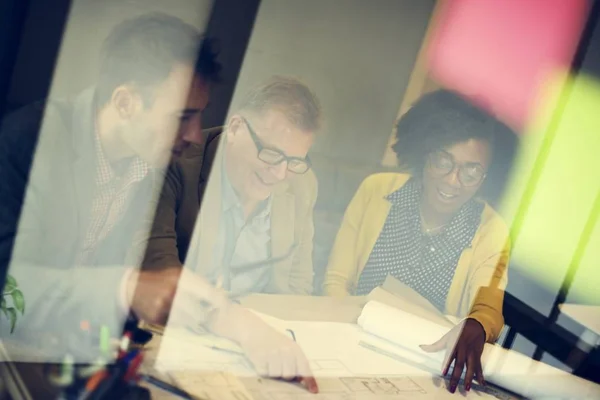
(561, 154)
(586, 285)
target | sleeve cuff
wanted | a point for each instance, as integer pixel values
(124, 305)
(487, 324)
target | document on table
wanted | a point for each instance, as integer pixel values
(343, 368)
(221, 386)
(394, 331)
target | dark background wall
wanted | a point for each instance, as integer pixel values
(32, 33)
(50, 63)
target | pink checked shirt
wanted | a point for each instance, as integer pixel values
(113, 194)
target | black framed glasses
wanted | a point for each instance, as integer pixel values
(271, 156)
(442, 163)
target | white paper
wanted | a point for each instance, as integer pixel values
(343, 368)
(404, 332)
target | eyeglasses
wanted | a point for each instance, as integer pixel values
(442, 163)
(296, 165)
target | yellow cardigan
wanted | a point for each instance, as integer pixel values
(477, 289)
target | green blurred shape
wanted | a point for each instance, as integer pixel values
(552, 200)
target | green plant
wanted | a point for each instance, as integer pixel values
(18, 301)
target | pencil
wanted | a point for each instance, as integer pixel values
(292, 334)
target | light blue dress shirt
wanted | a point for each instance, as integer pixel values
(240, 241)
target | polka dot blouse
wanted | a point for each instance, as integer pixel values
(424, 262)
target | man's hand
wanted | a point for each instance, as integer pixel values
(464, 345)
(151, 293)
(273, 354)
(276, 356)
(187, 299)
(174, 293)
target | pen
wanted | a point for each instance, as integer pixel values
(168, 387)
(292, 334)
(93, 383)
(217, 348)
(108, 383)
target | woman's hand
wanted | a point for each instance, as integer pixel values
(464, 345)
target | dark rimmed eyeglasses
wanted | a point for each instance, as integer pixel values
(271, 156)
(442, 163)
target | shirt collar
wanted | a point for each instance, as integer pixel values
(231, 199)
(459, 230)
(135, 171)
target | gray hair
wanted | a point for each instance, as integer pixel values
(289, 96)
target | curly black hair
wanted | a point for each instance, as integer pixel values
(443, 118)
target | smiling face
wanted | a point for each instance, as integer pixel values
(252, 178)
(452, 176)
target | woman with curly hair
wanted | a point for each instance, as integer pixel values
(429, 229)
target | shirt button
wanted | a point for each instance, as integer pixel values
(432, 248)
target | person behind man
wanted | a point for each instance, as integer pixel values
(255, 227)
(428, 229)
(69, 214)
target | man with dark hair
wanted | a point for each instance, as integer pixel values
(136, 59)
(76, 205)
(69, 215)
(254, 230)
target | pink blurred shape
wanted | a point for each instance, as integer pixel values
(499, 52)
